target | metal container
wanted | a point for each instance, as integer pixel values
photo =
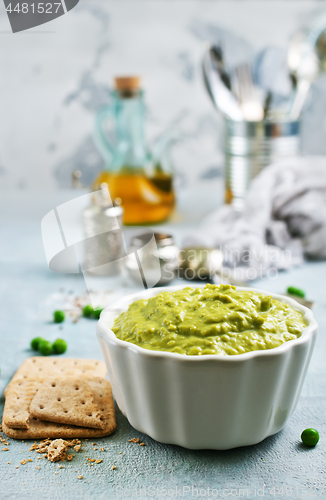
(165, 251)
(200, 263)
(251, 146)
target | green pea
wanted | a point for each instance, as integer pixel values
(45, 348)
(310, 437)
(59, 346)
(35, 343)
(292, 290)
(58, 316)
(88, 311)
(96, 314)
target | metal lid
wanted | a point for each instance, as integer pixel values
(114, 211)
(161, 239)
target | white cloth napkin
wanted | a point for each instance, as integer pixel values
(283, 220)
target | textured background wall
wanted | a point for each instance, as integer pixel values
(53, 79)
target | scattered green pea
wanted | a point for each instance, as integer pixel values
(45, 348)
(60, 346)
(96, 314)
(58, 316)
(310, 437)
(292, 290)
(88, 311)
(35, 343)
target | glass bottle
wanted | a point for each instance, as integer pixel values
(142, 180)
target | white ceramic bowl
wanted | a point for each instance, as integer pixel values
(211, 401)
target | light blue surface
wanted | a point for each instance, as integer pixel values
(278, 461)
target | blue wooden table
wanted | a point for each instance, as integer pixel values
(279, 467)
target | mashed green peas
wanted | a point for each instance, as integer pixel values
(211, 320)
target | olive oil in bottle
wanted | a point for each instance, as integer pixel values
(133, 174)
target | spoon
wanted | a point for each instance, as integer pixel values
(304, 69)
(306, 61)
(219, 92)
(218, 64)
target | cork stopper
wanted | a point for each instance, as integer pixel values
(127, 83)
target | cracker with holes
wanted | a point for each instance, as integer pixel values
(34, 374)
(67, 401)
(18, 399)
(43, 367)
(40, 429)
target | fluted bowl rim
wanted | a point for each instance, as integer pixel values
(122, 304)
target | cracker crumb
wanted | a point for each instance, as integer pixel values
(46, 441)
(57, 450)
(77, 447)
(102, 449)
(60, 466)
(42, 449)
(91, 459)
(56, 472)
(39, 458)
(38, 467)
(142, 444)
(95, 449)
(23, 462)
(8, 462)
(119, 452)
(133, 440)
(113, 467)
(73, 442)
(5, 449)
(69, 458)
(94, 444)
(79, 477)
(17, 466)
(98, 461)
(34, 446)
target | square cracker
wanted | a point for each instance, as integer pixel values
(67, 401)
(43, 367)
(18, 399)
(39, 429)
(31, 373)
